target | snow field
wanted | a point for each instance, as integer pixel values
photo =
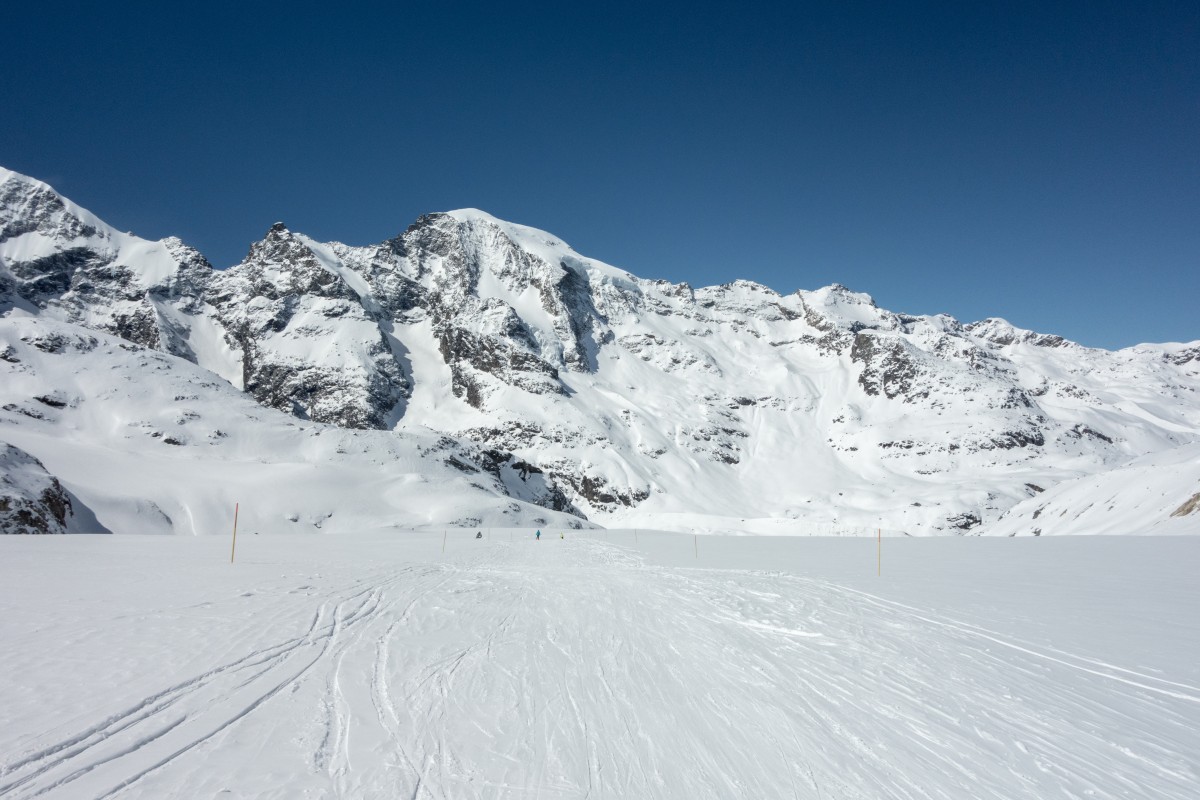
(605, 664)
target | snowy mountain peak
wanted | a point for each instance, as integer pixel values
(838, 301)
(519, 234)
(641, 401)
(33, 211)
(1000, 331)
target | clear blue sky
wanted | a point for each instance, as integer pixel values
(1036, 161)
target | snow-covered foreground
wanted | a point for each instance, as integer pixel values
(374, 665)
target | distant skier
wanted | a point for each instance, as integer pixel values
(562, 535)
(538, 535)
(479, 534)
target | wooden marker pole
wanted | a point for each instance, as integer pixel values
(443, 541)
(233, 550)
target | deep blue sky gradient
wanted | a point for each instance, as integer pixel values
(1036, 161)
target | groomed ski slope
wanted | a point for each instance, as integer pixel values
(374, 665)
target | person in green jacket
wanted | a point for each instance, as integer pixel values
(538, 535)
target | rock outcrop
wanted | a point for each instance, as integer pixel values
(32, 501)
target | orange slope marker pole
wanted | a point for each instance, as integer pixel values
(233, 550)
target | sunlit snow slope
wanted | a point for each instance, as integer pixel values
(1156, 494)
(148, 443)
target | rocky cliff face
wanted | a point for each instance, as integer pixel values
(637, 401)
(284, 297)
(60, 258)
(31, 499)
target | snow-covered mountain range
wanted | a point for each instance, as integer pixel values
(472, 371)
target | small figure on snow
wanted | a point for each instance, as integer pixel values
(479, 534)
(538, 535)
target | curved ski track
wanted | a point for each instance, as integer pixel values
(569, 669)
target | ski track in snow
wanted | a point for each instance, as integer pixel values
(571, 669)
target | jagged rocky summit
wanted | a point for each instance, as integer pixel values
(633, 401)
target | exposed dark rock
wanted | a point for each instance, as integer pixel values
(888, 368)
(54, 342)
(1080, 431)
(1010, 439)
(525, 469)
(1190, 506)
(466, 352)
(537, 486)
(139, 327)
(32, 413)
(51, 400)
(574, 294)
(1182, 357)
(323, 394)
(598, 492)
(964, 522)
(31, 499)
(1016, 398)
(49, 277)
(41, 210)
(461, 466)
